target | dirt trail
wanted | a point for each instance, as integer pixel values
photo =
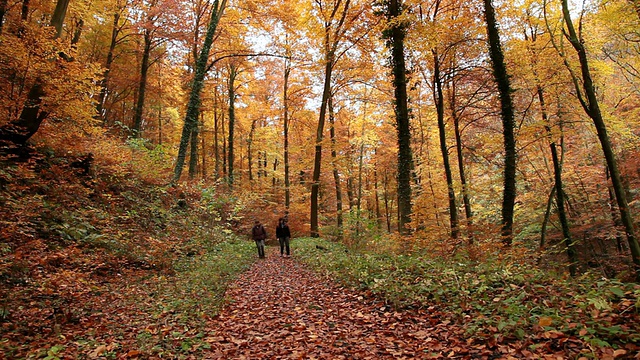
(281, 310)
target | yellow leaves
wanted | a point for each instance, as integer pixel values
(545, 321)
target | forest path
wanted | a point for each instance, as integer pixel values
(279, 309)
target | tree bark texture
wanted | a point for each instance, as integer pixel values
(285, 103)
(396, 34)
(331, 41)
(233, 72)
(439, 100)
(336, 173)
(508, 124)
(193, 107)
(142, 85)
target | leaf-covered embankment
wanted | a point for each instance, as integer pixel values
(95, 260)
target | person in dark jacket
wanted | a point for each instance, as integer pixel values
(259, 234)
(283, 234)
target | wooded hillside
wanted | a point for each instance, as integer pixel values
(135, 134)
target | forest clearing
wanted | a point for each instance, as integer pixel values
(460, 179)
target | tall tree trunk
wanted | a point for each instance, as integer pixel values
(331, 41)
(592, 108)
(57, 19)
(77, 33)
(396, 34)
(216, 128)
(508, 123)
(360, 168)
(203, 139)
(315, 184)
(377, 197)
(439, 100)
(387, 211)
(614, 216)
(142, 86)
(463, 178)
(273, 174)
(233, 72)
(224, 144)
(193, 107)
(249, 151)
(285, 102)
(557, 175)
(115, 31)
(336, 173)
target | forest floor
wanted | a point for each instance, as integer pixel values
(280, 309)
(105, 265)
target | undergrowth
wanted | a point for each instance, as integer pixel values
(188, 299)
(491, 299)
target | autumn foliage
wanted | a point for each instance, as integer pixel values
(297, 109)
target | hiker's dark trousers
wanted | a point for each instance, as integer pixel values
(284, 243)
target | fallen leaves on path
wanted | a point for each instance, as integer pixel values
(280, 309)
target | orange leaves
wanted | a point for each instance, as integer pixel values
(545, 321)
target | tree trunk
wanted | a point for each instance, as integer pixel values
(545, 220)
(232, 119)
(285, 102)
(273, 174)
(193, 106)
(24, 11)
(115, 31)
(57, 19)
(592, 108)
(508, 124)
(315, 184)
(396, 34)
(336, 173)
(216, 127)
(461, 170)
(377, 197)
(203, 139)
(249, 151)
(439, 100)
(142, 86)
(557, 174)
(387, 211)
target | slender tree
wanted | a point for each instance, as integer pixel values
(193, 107)
(439, 100)
(285, 116)
(508, 124)
(333, 32)
(334, 165)
(233, 73)
(395, 35)
(589, 101)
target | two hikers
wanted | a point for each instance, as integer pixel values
(283, 234)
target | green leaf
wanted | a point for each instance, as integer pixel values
(617, 291)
